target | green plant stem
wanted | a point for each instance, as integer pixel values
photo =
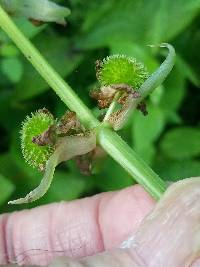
(119, 150)
(108, 139)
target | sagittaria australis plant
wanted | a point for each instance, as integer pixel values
(122, 81)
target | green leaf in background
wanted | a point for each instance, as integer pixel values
(146, 130)
(181, 143)
(173, 94)
(8, 50)
(66, 186)
(187, 70)
(6, 189)
(7, 165)
(188, 44)
(112, 176)
(177, 170)
(28, 28)
(40, 10)
(58, 53)
(12, 68)
(142, 21)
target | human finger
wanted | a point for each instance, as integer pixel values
(75, 229)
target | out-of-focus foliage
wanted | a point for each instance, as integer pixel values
(167, 139)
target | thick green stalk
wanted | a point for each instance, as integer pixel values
(131, 162)
(108, 139)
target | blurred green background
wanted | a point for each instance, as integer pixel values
(168, 139)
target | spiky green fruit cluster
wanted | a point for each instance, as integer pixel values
(120, 69)
(34, 154)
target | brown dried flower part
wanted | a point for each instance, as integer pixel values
(91, 162)
(122, 87)
(69, 124)
(84, 163)
(126, 100)
(36, 23)
(102, 104)
(98, 64)
(122, 100)
(104, 96)
(45, 111)
(125, 90)
(46, 138)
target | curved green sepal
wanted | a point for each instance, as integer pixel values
(43, 186)
(155, 79)
(158, 76)
(67, 148)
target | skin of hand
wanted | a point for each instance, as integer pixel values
(89, 231)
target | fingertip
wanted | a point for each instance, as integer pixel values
(121, 213)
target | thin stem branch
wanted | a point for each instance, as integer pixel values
(107, 138)
(112, 106)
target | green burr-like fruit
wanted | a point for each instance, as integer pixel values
(120, 69)
(34, 154)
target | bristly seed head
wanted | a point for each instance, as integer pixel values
(36, 124)
(120, 69)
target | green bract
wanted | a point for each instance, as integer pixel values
(120, 69)
(36, 124)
